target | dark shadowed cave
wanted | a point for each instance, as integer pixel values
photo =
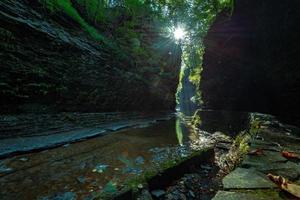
(252, 59)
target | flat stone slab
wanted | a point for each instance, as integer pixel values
(269, 158)
(271, 146)
(291, 173)
(27, 144)
(290, 170)
(253, 195)
(272, 162)
(24, 144)
(242, 178)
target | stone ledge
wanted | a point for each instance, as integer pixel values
(248, 195)
(242, 178)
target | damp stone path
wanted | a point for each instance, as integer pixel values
(249, 180)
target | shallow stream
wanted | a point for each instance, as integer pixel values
(106, 163)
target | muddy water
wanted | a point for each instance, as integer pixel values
(78, 170)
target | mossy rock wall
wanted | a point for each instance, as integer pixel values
(50, 60)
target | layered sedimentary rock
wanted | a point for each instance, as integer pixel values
(48, 62)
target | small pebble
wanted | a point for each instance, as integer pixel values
(158, 193)
(66, 145)
(100, 168)
(191, 193)
(23, 159)
(139, 160)
(207, 167)
(81, 179)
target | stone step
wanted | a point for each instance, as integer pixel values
(242, 178)
(248, 195)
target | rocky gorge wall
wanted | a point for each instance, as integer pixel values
(251, 59)
(49, 63)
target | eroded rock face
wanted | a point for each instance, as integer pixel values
(251, 61)
(48, 59)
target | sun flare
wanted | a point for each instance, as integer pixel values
(179, 33)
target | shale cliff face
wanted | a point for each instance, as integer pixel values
(49, 63)
(251, 59)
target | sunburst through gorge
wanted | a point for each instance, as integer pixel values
(179, 33)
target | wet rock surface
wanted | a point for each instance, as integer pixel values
(200, 185)
(242, 178)
(32, 132)
(251, 177)
(260, 195)
(28, 125)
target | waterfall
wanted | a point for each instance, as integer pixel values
(187, 95)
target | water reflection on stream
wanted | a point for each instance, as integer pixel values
(80, 169)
